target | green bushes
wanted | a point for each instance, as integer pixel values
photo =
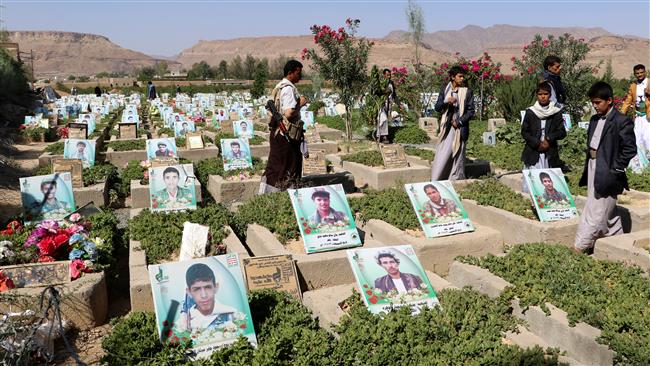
(315, 106)
(55, 148)
(133, 171)
(514, 96)
(391, 205)
(572, 148)
(273, 211)
(504, 155)
(214, 166)
(160, 233)
(421, 153)
(640, 182)
(367, 157)
(335, 122)
(608, 295)
(127, 145)
(411, 135)
(100, 172)
(491, 192)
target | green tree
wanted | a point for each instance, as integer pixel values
(577, 76)
(162, 68)
(145, 73)
(236, 68)
(72, 77)
(222, 70)
(276, 70)
(261, 75)
(200, 71)
(342, 59)
(249, 67)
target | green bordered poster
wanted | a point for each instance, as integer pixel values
(171, 188)
(438, 208)
(390, 278)
(203, 301)
(324, 217)
(236, 154)
(550, 194)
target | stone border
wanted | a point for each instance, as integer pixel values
(380, 178)
(84, 302)
(579, 341)
(227, 192)
(96, 193)
(139, 285)
(196, 155)
(627, 248)
(437, 254)
(327, 133)
(121, 158)
(140, 194)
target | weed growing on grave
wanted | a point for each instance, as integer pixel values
(273, 211)
(55, 148)
(334, 122)
(640, 182)
(607, 295)
(491, 192)
(165, 131)
(505, 155)
(160, 233)
(368, 158)
(427, 155)
(411, 135)
(127, 145)
(133, 171)
(100, 172)
(391, 205)
(214, 166)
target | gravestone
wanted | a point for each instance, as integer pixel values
(315, 164)
(78, 131)
(73, 166)
(194, 140)
(275, 272)
(429, 124)
(394, 156)
(493, 123)
(312, 136)
(128, 130)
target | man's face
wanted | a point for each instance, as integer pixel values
(548, 183)
(244, 127)
(185, 126)
(601, 105)
(49, 190)
(458, 78)
(555, 68)
(639, 74)
(433, 195)
(295, 75)
(235, 149)
(543, 97)
(177, 118)
(387, 75)
(162, 148)
(389, 265)
(322, 203)
(202, 293)
(171, 181)
(81, 148)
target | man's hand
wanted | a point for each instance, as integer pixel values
(455, 124)
(544, 146)
(451, 99)
(303, 101)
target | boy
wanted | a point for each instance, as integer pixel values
(610, 147)
(552, 66)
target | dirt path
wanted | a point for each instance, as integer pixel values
(15, 162)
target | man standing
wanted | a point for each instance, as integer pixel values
(456, 105)
(436, 205)
(550, 193)
(386, 107)
(324, 214)
(395, 280)
(552, 66)
(284, 166)
(637, 97)
(201, 309)
(151, 91)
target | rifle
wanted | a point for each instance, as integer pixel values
(277, 119)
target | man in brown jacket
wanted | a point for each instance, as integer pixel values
(636, 100)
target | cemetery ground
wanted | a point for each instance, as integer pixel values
(511, 291)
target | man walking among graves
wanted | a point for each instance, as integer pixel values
(456, 105)
(637, 101)
(386, 107)
(284, 166)
(395, 280)
(151, 91)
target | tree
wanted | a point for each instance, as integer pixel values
(416, 28)
(162, 68)
(249, 67)
(72, 78)
(577, 76)
(222, 71)
(236, 68)
(261, 75)
(420, 79)
(200, 71)
(276, 69)
(145, 73)
(342, 59)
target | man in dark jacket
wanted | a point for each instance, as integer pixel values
(552, 66)
(151, 91)
(456, 105)
(611, 145)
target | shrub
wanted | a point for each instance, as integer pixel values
(411, 135)
(315, 106)
(514, 96)
(255, 140)
(100, 172)
(640, 182)
(491, 192)
(128, 145)
(334, 122)
(504, 155)
(133, 171)
(273, 211)
(165, 131)
(607, 295)
(55, 148)
(391, 205)
(421, 153)
(160, 233)
(368, 157)
(572, 148)
(214, 166)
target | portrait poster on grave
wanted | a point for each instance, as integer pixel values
(202, 300)
(194, 140)
(77, 131)
(438, 208)
(182, 128)
(584, 125)
(38, 274)
(72, 166)
(47, 197)
(276, 272)
(390, 278)
(83, 150)
(489, 138)
(550, 194)
(128, 130)
(243, 128)
(89, 120)
(324, 218)
(130, 116)
(640, 162)
(314, 164)
(393, 156)
(566, 120)
(236, 154)
(307, 117)
(221, 114)
(164, 147)
(173, 118)
(172, 188)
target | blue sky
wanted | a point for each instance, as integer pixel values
(164, 27)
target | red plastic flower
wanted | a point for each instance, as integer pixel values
(61, 239)
(6, 283)
(45, 259)
(47, 246)
(373, 299)
(77, 267)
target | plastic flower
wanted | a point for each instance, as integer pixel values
(75, 217)
(77, 267)
(75, 238)
(76, 254)
(6, 283)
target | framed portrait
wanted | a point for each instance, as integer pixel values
(184, 127)
(194, 140)
(390, 278)
(276, 272)
(128, 130)
(438, 208)
(307, 117)
(584, 125)
(324, 218)
(30, 120)
(243, 128)
(221, 114)
(489, 138)
(236, 154)
(83, 150)
(78, 131)
(171, 188)
(72, 166)
(640, 162)
(202, 300)
(164, 147)
(566, 120)
(550, 194)
(130, 116)
(47, 197)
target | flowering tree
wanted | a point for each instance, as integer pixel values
(577, 76)
(342, 59)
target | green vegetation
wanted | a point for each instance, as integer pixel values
(507, 152)
(273, 211)
(411, 135)
(491, 192)
(367, 157)
(608, 295)
(214, 166)
(133, 171)
(427, 155)
(55, 148)
(640, 182)
(334, 122)
(391, 205)
(128, 145)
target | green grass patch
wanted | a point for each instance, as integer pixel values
(491, 192)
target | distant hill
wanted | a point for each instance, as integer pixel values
(66, 53)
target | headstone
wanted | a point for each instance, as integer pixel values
(128, 130)
(73, 166)
(226, 127)
(38, 274)
(195, 239)
(493, 123)
(394, 156)
(194, 140)
(233, 116)
(314, 164)
(166, 161)
(429, 124)
(78, 131)
(489, 138)
(276, 272)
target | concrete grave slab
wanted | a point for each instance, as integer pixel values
(96, 193)
(227, 192)
(630, 249)
(380, 178)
